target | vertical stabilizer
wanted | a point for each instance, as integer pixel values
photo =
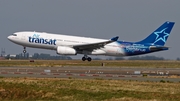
(160, 35)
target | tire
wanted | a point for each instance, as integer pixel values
(83, 59)
(24, 51)
(89, 59)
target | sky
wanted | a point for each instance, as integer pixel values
(131, 20)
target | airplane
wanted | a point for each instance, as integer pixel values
(73, 45)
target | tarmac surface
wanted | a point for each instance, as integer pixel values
(118, 73)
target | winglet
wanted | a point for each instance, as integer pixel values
(115, 38)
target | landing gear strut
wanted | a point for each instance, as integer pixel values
(24, 51)
(85, 57)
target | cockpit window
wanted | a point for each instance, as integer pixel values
(14, 34)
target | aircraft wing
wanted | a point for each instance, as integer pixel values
(92, 46)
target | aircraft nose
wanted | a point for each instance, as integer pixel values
(9, 37)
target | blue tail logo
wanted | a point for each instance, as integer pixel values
(160, 35)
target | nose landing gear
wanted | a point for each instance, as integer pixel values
(24, 51)
(85, 57)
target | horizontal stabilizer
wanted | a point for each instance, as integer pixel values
(155, 48)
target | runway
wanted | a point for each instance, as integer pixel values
(87, 72)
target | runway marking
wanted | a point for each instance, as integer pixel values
(56, 74)
(4, 72)
(82, 75)
(43, 74)
(95, 75)
(30, 73)
(69, 74)
(17, 73)
(109, 75)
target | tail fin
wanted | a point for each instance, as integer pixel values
(160, 35)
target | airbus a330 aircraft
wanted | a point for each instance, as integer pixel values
(72, 45)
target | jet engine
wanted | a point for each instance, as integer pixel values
(62, 50)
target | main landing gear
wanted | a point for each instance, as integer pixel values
(85, 57)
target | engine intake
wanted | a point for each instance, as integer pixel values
(62, 50)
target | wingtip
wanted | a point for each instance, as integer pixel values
(115, 38)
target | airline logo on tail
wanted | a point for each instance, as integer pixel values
(36, 39)
(161, 36)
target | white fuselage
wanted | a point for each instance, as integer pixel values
(52, 41)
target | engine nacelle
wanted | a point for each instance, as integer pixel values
(62, 50)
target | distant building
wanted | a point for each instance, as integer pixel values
(3, 52)
(36, 56)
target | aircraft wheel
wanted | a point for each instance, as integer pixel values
(89, 59)
(83, 59)
(24, 51)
